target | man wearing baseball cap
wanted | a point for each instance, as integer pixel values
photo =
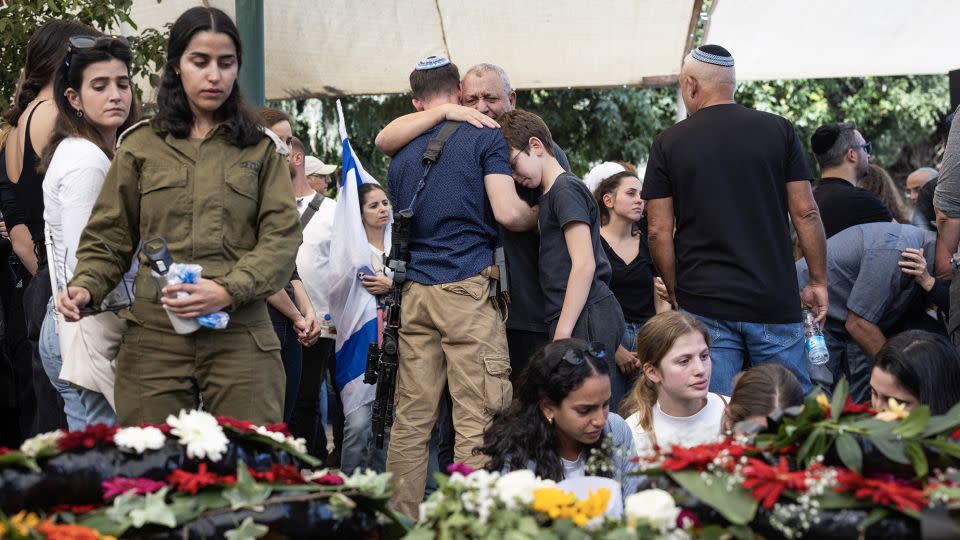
(318, 174)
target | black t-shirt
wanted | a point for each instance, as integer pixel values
(568, 201)
(632, 283)
(520, 250)
(844, 205)
(726, 168)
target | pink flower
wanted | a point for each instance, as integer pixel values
(461, 468)
(687, 518)
(118, 485)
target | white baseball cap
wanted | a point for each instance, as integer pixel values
(312, 165)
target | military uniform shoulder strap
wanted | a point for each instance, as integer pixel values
(131, 129)
(281, 146)
(312, 208)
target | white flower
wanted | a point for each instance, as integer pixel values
(298, 444)
(656, 506)
(518, 487)
(40, 443)
(279, 437)
(139, 439)
(201, 434)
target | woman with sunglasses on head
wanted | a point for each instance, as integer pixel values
(203, 176)
(560, 417)
(670, 403)
(94, 97)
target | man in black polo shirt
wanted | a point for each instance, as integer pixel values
(725, 180)
(844, 158)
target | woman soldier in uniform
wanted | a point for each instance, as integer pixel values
(202, 175)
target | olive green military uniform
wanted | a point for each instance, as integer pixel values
(226, 208)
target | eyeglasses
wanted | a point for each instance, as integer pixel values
(80, 43)
(867, 147)
(513, 160)
(575, 357)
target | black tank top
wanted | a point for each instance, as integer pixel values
(29, 189)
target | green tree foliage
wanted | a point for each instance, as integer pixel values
(19, 19)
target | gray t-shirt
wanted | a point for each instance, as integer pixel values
(568, 201)
(947, 196)
(862, 272)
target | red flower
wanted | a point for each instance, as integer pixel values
(74, 508)
(5, 450)
(188, 482)
(239, 425)
(767, 482)
(329, 480)
(686, 517)
(118, 485)
(955, 435)
(164, 428)
(886, 493)
(278, 474)
(851, 408)
(698, 457)
(88, 438)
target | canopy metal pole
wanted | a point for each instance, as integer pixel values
(252, 73)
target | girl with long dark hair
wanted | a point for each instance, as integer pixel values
(203, 176)
(94, 98)
(560, 419)
(916, 368)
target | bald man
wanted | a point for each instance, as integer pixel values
(724, 180)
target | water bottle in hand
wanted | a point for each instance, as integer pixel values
(813, 342)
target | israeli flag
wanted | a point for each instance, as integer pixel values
(354, 309)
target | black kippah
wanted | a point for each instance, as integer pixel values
(715, 50)
(826, 135)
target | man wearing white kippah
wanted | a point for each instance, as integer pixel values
(721, 187)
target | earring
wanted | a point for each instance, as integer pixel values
(550, 420)
(79, 113)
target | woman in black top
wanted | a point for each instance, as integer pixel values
(625, 244)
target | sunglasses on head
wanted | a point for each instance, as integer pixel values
(575, 357)
(80, 43)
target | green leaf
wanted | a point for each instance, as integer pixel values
(914, 424)
(850, 453)
(944, 447)
(874, 516)
(892, 448)
(831, 500)
(804, 455)
(155, 510)
(18, 459)
(839, 399)
(123, 504)
(246, 493)
(939, 424)
(917, 458)
(248, 530)
(736, 504)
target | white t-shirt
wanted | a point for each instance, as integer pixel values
(574, 469)
(70, 187)
(700, 428)
(313, 257)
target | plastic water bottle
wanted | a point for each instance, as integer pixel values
(327, 328)
(813, 341)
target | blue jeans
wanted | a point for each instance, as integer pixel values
(622, 384)
(82, 407)
(291, 352)
(359, 448)
(736, 344)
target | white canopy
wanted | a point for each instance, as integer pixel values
(787, 39)
(317, 47)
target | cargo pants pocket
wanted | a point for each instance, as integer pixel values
(496, 383)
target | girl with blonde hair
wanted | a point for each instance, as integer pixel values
(670, 404)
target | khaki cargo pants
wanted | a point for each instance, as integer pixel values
(237, 370)
(450, 334)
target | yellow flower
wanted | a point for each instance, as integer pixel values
(3, 530)
(23, 522)
(894, 411)
(823, 402)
